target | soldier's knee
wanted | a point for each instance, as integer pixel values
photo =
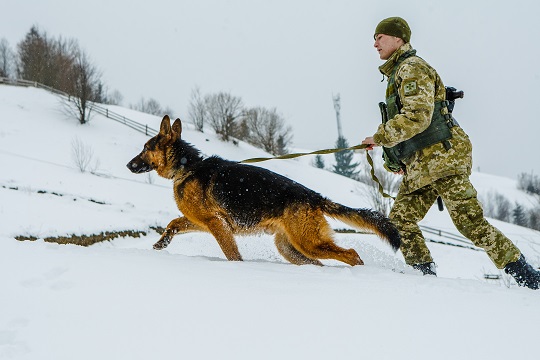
(401, 218)
(471, 212)
(469, 218)
(398, 220)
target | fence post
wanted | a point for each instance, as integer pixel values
(146, 129)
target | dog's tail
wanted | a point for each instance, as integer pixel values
(365, 219)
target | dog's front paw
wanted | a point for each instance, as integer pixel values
(161, 244)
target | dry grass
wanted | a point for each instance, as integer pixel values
(87, 240)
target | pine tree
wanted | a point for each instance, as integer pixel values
(281, 145)
(344, 165)
(519, 215)
(319, 162)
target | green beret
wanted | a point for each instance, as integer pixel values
(394, 26)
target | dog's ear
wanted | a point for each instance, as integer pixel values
(165, 127)
(177, 128)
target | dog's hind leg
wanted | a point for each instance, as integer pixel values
(292, 255)
(310, 233)
(325, 248)
(178, 225)
(223, 233)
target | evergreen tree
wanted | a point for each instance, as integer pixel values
(519, 216)
(319, 162)
(281, 145)
(344, 165)
(36, 58)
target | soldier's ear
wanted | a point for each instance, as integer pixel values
(177, 128)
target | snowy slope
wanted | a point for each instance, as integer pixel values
(122, 300)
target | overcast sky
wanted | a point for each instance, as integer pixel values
(296, 54)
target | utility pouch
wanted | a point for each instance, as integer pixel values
(437, 131)
(391, 161)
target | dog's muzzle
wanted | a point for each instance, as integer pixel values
(137, 166)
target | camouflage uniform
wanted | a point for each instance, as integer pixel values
(433, 171)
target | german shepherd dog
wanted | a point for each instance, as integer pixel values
(226, 198)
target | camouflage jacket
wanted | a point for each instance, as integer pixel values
(433, 162)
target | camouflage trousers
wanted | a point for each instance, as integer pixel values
(460, 198)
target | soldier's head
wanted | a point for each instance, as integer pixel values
(390, 35)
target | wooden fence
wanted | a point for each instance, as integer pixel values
(98, 108)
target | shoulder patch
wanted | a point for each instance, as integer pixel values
(410, 87)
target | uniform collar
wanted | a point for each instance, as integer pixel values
(387, 68)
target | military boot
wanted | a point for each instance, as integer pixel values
(426, 268)
(523, 273)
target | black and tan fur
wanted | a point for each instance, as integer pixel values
(226, 198)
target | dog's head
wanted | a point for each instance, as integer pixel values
(155, 152)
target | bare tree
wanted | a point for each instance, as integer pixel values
(82, 87)
(266, 129)
(497, 206)
(63, 59)
(7, 59)
(81, 154)
(197, 109)
(115, 98)
(534, 218)
(150, 106)
(529, 183)
(503, 207)
(153, 107)
(224, 110)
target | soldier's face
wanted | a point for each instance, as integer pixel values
(386, 45)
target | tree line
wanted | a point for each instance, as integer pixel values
(63, 65)
(58, 63)
(499, 207)
(227, 115)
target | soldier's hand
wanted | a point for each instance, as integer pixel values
(369, 142)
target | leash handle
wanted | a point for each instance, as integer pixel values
(376, 179)
(328, 151)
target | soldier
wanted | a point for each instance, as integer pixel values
(423, 142)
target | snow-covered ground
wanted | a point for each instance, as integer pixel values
(120, 299)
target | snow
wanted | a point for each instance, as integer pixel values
(120, 299)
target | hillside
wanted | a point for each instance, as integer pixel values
(121, 299)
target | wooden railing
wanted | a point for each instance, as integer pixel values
(98, 108)
(144, 128)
